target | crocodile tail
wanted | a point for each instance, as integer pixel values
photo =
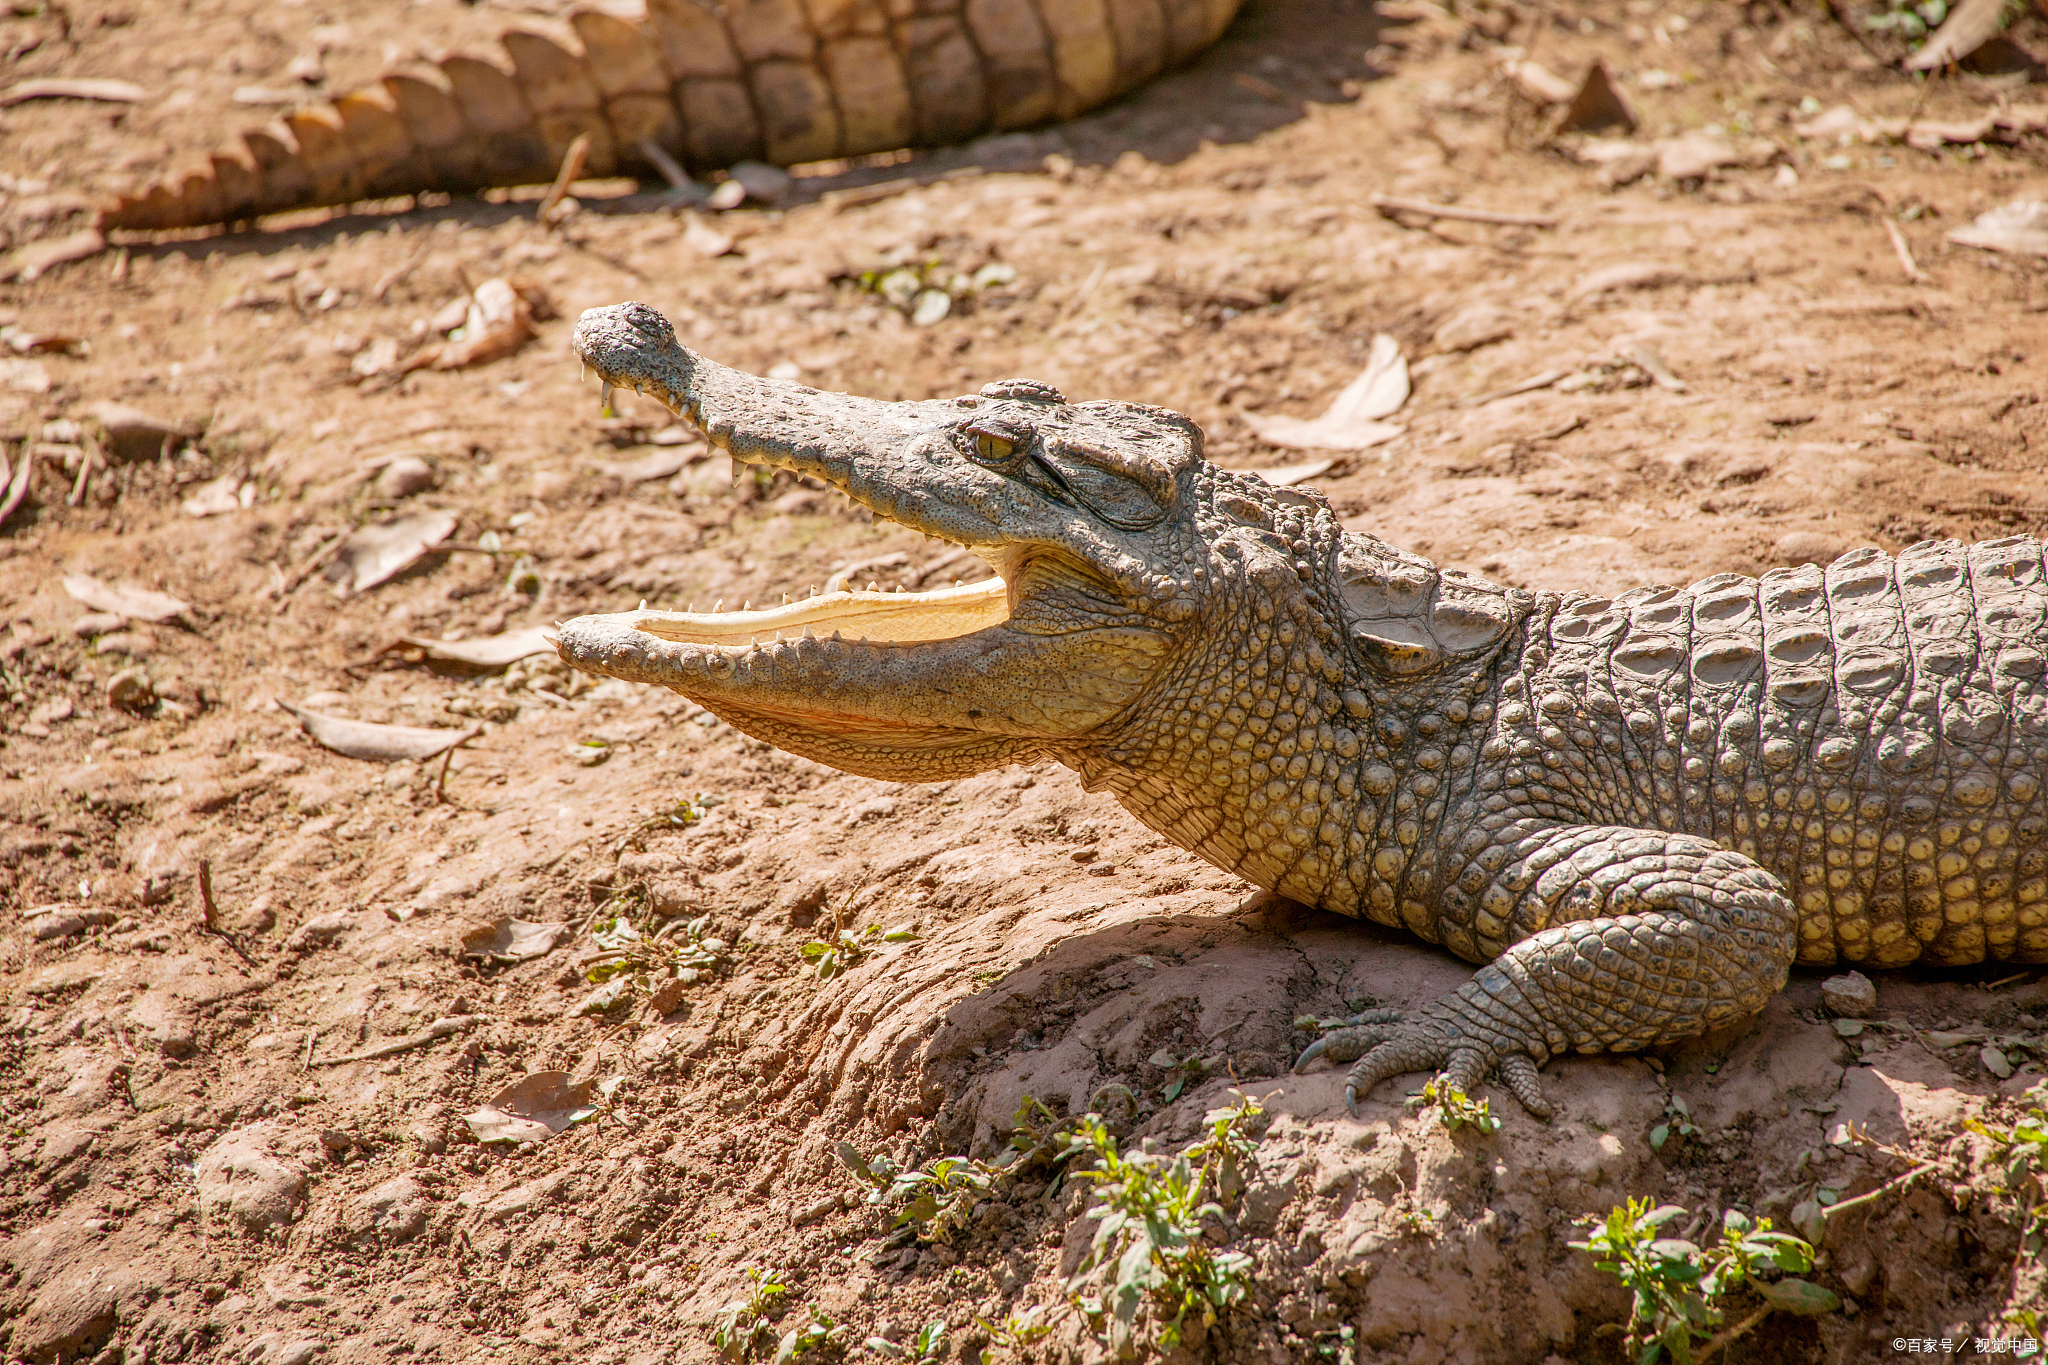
(787, 81)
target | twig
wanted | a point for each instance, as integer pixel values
(572, 170)
(1904, 253)
(441, 782)
(1073, 308)
(311, 1035)
(671, 169)
(1974, 508)
(1529, 385)
(440, 1028)
(397, 273)
(1388, 205)
(17, 487)
(1733, 1332)
(209, 918)
(1849, 26)
(85, 468)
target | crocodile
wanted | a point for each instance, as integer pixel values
(1636, 814)
(705, 86)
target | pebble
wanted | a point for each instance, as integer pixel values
(405, 476)
(130, 689)
(133, 434)
(1851, 995)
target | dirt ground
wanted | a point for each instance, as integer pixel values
(199, 1162)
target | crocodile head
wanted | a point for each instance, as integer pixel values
(1082, 509)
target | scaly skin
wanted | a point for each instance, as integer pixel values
(788, 81)
(1637, 813)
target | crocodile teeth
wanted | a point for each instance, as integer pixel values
(604, 397)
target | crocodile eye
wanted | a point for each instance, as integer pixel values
(992, 448)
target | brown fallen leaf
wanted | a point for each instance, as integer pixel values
(1287, 475)
(1538, 82)
(1598, 105)
(16, 487)
(28, 263)
(60, 88)
(512, 940)
(1968, 27)
(370, 555)
(138, 604)
(2019, 228)
(704, 239)
(500, 320)
(1351, 422)
(493, 651)
(378, 743)
(535, 1107)
(133, 434)
(659, 465)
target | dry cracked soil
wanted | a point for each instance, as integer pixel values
(247, 1131)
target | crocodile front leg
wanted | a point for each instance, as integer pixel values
(1632, 938)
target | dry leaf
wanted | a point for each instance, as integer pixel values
(1351, 421)
(1597, 106)
(377, 743)
(656, 466)
(1968, 27)
(2020, 228)
(533, 1108)
(28, 262)
(512, 940)
(493, 651)
(212, 499)
(707, 241)
(137, 604)
(1287, 475)
(500, 320)
(375, 554)
(56, 88)
(1539, 82)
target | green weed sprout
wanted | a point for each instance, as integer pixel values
(849, 947)
(1149, 1250)
(739, 1323)
(1455, 1108)
(1680, 1287)
(1015, 1332)
(926, 1348)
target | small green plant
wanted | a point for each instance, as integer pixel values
(1179, 1071)
(1677, 1119)
(850, 947)
(2022, 1150)
(1340, 1345)
(1015, 1332)
(679, 814)
(678, 951)
(741, 1322)
(1151, 1264)
(1679, 1286)
(927, 1346)
(1454, 1107)
(809, 1336)
(936, 1198)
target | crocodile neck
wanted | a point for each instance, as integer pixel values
(1272, 752)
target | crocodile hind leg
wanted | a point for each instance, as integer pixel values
(1621, 939)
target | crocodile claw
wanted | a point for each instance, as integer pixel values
(1383, 1047)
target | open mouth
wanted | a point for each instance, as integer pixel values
(869, 616)
(902, 685)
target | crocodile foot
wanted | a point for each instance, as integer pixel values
(1384, 1044)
